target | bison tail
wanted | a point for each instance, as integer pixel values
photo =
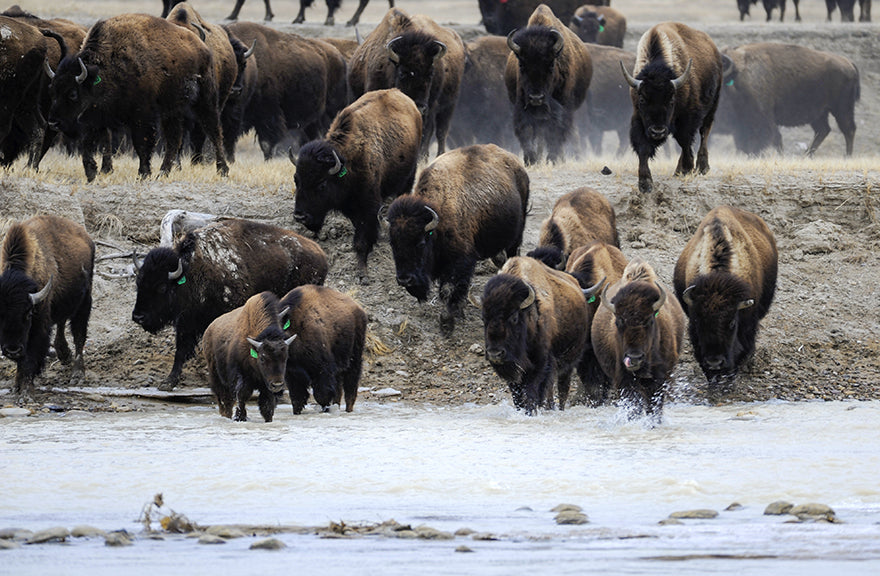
(858, 86)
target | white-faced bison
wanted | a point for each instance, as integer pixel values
(215, 269)
(327, 356)
(468, 205)
(599, 25)
(369, 153)
(675, 90)
(46, 266)
(725, 279)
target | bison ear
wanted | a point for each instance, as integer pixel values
(560, 41)
(440, 49)
(728, 69)
(745, 304)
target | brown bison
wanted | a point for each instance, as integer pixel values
(421, 58)
(547, 77)
(578, 218)
(332, 6)
(534, 318)
(246, 351)
(215, 269)
(637, 335)
(131, 70)
(46, 266)
(846, 10)
(328, 353)
(767, 85)
(608, 104)
(501, 17)
(468, 205)
(769, 5)
(599, 25)
(243, 89)
(676, 88)
(725, 279)
(369, 153)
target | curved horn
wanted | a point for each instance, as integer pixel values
(661, 300)
(629, 79)
(202, 32)
(250, 51)
(337, 166)
(255, 343)
(37, 297)
(177, 273)
(283, 313)
(560, 41)
(435, 220)
(290, 340)
(514, 47)
(686, 295)
(390, 47)
(684, 75)
(529, 300)
(291, 155)
(441, 51)
(605, 301)
(135, 262)
(382, 215)
(591, 291)
(48, 69)
(577, 20)
(84, 72)
(745, 304)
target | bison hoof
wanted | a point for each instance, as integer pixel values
(167, 385)
(447, 323)
(299, 20)
(646, 186)
(330, 21)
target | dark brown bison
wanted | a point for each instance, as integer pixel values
(725, 279)
(637, 335)
(846, 10)
(501, 17)
(578, 218)
(369, 153)
(608, 104)
(46, 266)
(767, 85)
(131, 70)
(331, 330)
(332, 6)
(769, 5)
(246, 351)
(675, 90)
(421, 58)
(241, 94)
(594, 266)
(599, 25)
(534, 319)
(300, 85)
(483, 114)
(547, 77)
(468, 205)
(215, 269)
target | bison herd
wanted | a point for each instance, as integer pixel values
(358, 119)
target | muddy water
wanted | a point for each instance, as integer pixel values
(487, 468)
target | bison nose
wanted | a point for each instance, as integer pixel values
(54, 125)
(633, 361)
(12, 352)
(276, 387)
(137, 317)
(495, 355)
(536, 99)
(301, 217)
(657, 132)
(405, 279)
(423, 109)
(714, 362)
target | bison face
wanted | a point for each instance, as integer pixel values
(536, 49)
(636, 307)
(509, 310)
(415, 56)
(159, 278)
(412, 233)
(654, 97)
(71, 90)
(587, 26)
(268, 353)
(19, 297)
(320, 181)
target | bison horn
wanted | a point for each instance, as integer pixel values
(661, 300)
(291, 155)
(686, 295)
(577, 20)
(514, 47)
(684, 75)
(435, 220)
(529, 300)
(83, 74)
(48, 69)
(337, 166)
(255, 343)
(591, 291)
(290, 340)
(37, 297)
(441, 50)
(745, 304)
(283, 313)
(134, 260)
(605, 301)
(560, 41)
(394, 56)
(250, 51)
(629, 79)
(202, 32)
(177, 273)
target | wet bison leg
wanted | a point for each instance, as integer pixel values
(267, 403)
(242, 393)
(62, 350)
(594, 381)
(453, 291)
(351, 377)
(821, 129)
(185, 346)
(221, 391)
(79, 323)
(298, 383)
(563, 385)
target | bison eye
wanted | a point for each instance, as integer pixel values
(514, 319)
(73, 95)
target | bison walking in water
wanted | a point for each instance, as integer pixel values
(534, 318)
(369, 153)
(547, 76)
(246, 351)
(468, 205)
(328, 354)
(46, 266)
(768, 84)
(215, 269)
(675, 90)
(725, 278)
(637, 335)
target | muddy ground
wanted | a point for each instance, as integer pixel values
(819, 340)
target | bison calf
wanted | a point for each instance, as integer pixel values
(328, 353)
(46, 266)
(469, 204)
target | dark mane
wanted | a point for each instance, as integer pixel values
(720, 290)
(656, 71)
(721, 250)
(18, 249)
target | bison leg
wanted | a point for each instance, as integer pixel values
(366, 232)
(563, 386)
(185, 346)
(267, 403)
(453, 292)
(269, 15)
(821, 129)
(360, 9)
(847, 124)
(89, 147)
(62, 350)
(594, 381)
(686, 159)
(351, 377)
(143, 137)
(79, 323)
(301, 15)
(298, 382)
(527, 136)
(332, 6)
(646, 183)
(233, 16)
(23, 388)
(172, 129)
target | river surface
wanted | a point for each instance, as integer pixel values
(486, 468)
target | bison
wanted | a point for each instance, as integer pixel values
(846, 10)
(246, 351)
(241, 94)
(577, 219)
(637, 335)
(46, 267)
(215, 269)
(328, 353)
(769, 5)
(725, 279)
(369, 153)
(676, 88)
(332, 6)
(421, 58)
(534, 318)
(501, 17)
(767, 85)
(608, 105)
(469, 204)
(547, 77)
(133, 69)
(599, 25)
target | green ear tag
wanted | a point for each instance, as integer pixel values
(601, 28)
(729, 82)
(592, 299)
(97, 81)
(254, 353)
(342, 172)
(181, 281)
(657, 313)
(286, 325)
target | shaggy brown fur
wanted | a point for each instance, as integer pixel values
(599, 25)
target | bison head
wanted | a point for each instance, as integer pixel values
(320, 181)
(268, 353)
(587, 25)
(635, 308)
(715, 305)
(414, 55)
(73, 89)
(412, 233)
(654, 96)
(509, 309)
(19, 298)
(536, 49)
(159, 278)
